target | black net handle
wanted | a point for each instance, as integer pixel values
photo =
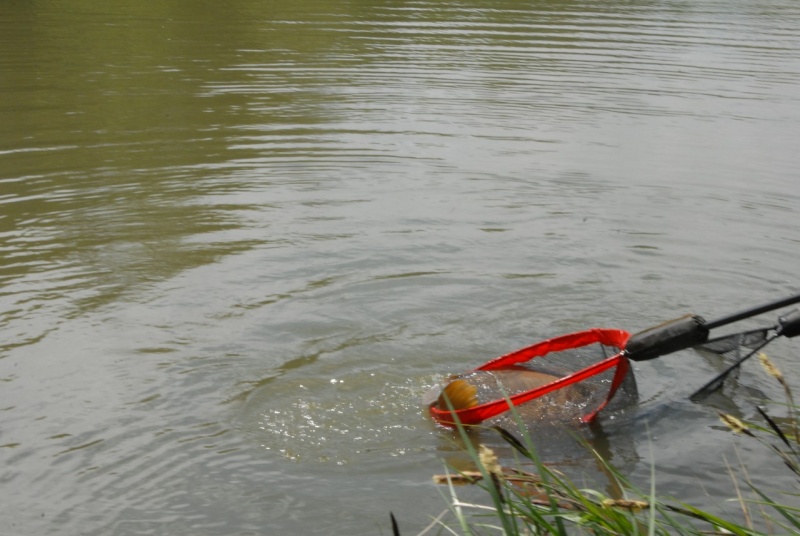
(692, 330)
(753, 311)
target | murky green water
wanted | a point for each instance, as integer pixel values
(240, 240)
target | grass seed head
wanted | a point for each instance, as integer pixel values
(625, 504)
(734, 424)
(769, 367)
(489, 460)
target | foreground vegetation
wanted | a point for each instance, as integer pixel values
(546, 502)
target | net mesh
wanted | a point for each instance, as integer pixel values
(735, 345)
(577, 399)
(727, 352)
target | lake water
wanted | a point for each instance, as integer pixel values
(240, 240)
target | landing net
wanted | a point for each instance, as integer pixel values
(574, 376)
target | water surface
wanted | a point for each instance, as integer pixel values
(240, 242)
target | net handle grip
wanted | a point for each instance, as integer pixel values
(671, 336)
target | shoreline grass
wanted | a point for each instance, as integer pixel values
(544, 501)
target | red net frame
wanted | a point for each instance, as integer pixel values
(615, 338)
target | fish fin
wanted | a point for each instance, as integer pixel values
(460, 393)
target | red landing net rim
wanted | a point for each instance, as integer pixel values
(607, 337)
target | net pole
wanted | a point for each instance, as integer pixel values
(753, 311)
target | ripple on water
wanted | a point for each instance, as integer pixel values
(310, 419)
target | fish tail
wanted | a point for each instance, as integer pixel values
(460, 393)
